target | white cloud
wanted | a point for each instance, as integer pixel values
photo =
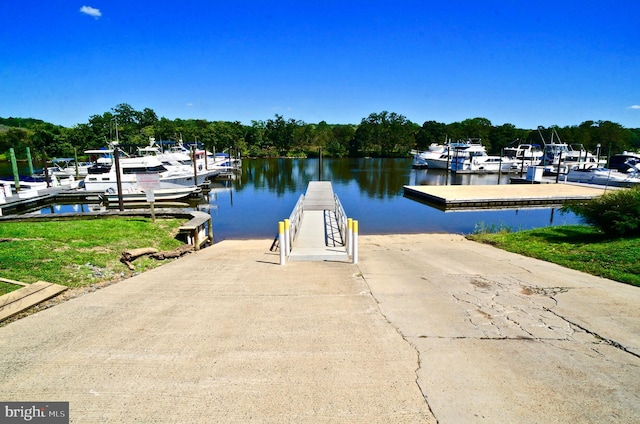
(634, 107)
(91, 11)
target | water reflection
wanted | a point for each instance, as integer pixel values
(377, 178)
(371, 190)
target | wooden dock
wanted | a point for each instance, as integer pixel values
(467, 197)
(16, 204)
(29, 295)
(319, 237)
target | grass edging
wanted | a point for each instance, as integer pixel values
(580, 247)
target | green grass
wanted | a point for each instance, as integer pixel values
(80, 252)
(578, 247)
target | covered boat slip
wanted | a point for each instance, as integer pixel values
(459, 197)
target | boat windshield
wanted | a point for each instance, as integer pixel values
(144, 170)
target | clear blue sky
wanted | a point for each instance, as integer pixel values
(526, 63)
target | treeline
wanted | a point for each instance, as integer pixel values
(384, 134)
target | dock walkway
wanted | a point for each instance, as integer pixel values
(319, 237)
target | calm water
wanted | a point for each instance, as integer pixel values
(371, 191)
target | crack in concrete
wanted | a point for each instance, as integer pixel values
(413, 346)
(507, 309)
(491, 303)
(610, 342)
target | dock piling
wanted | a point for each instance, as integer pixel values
(287, 239)
(354, 258)
(282, 242)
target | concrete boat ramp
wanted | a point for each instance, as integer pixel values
(427, 328)
(458, 197)
(424, 328)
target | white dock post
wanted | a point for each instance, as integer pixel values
(349, 236)
(282, 242)
(355, 242)
(287, 237)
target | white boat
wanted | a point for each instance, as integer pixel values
(68, 167)
(603, 176)
(624, 161)
(562, 157)
(525, 155)
(223, 162)
(31, 186)
(132, 169)
(26, 189)
(179, 159)
(474, 160)
(439, 155)
(220, 161)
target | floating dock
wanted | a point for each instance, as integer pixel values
(16, 204)
(468, 197)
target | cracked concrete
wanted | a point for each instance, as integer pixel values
(425, 329)
(503, 338)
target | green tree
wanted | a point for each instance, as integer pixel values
(505, 135)
(280, 133)
(341, 140)
(479, 128)
(612, 136)
(384, 134)
(255, 139)
(431, 132)
(17, 138)
(322, 136)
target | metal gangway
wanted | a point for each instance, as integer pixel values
(318, 228)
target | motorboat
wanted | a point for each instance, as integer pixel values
(101, 160)
(624, 161)
(476, 160)
(604, 176)
(214, 161)
(138, 171)
(525, 155)
(69, 167)
(31, 186)
(438, 156)
(559, 157)
(26, 188)
(179, 159)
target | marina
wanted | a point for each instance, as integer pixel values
(266, 190)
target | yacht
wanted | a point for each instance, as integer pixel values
(139, 171)
(624, 161)
(525, 155)
(472, 160)
(562, 157)
(604, 176)
(439, 156)
(179, 159)
(69, 167)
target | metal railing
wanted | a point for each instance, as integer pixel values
(295, 219)
(341, 218)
